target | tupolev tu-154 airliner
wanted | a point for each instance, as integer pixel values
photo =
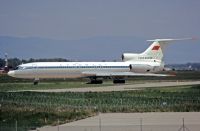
(147, 63)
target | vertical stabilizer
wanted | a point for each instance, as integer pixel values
(156, 50)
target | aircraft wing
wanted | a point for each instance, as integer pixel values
(119, 74)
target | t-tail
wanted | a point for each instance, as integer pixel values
(154, 53)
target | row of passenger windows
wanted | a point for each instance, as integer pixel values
(51, 67)
(145, 57)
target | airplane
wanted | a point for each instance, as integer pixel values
(147, 63)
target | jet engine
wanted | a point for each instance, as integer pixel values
(128, 56)
(140, 68)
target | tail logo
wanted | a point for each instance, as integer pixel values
(156, 47)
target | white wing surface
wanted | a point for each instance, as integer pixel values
(120, 74)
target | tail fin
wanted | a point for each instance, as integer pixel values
(157, 48)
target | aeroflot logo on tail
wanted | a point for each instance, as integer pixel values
(156, 47)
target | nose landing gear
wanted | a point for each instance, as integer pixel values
(36, 81)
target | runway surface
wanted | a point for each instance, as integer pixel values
(165, 121)
(121, 87)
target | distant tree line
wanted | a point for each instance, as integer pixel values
(14, 62)
(187, 66)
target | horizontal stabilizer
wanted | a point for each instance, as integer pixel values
(168, 40)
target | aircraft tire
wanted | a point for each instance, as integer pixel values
(119, 81)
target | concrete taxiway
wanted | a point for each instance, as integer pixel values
(121, 87)
(165, 121)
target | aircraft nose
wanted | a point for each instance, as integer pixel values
(11, 73)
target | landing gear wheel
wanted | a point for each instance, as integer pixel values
(95, 82)
(36, 81)
(119, 81)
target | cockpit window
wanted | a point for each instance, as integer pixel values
(16, 68)
(19, 68)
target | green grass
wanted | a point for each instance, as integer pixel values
(35, 109)
(27, 120)
(46, 85)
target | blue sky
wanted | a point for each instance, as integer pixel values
(83, 19)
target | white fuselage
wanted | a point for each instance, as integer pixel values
(39, 70)
(142, 64)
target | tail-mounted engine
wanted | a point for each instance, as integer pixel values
(128, 56)
(140, 68)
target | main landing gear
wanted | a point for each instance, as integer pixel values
(119, 81)
(100, 81)
(116, 81)
(95, 81)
